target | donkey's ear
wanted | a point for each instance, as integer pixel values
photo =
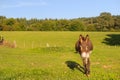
(81, 38)
(87, 35)
(87, 38)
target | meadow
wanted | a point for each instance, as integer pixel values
(51, 56)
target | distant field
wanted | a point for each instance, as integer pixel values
(50, 56)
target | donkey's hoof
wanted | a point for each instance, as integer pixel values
(87, 75)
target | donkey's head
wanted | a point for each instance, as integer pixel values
(84, 45)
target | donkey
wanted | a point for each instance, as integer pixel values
(84, 47)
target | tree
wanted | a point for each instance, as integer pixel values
(117, 22)
(76, 25)
(106, 21)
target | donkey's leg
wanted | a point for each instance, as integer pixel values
(88, 66)
(85, 64)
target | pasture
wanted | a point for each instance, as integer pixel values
(51, 56)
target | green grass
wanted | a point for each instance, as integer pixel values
(32, 60)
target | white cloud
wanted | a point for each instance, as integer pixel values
(23, 4)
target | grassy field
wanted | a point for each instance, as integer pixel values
(33, 60)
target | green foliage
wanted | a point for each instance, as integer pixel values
(76, 25)
(33, 60)
(104, 22)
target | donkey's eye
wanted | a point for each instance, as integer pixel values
(86, 47)
(81, 47)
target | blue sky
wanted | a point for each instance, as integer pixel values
(68, 9)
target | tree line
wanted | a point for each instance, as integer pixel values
(104, 22)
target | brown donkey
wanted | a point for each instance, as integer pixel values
(84, 47)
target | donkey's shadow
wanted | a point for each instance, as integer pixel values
(74, 65)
